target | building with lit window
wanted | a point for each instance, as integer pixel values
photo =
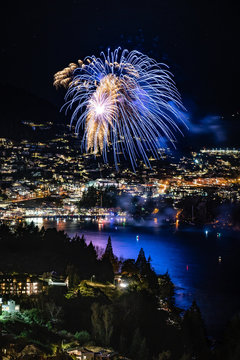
(20, 285)
(10, 307)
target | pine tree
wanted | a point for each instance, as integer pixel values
(97, 325)
(136, 343)
(143, 353)
(166, 288)
(109, 250)
(108, 255)
(194, 333)
(106, 270)
(138, 349)
(92, 252)
(141, 261)
(164, 355)
(122, 344)
(82, 242)
(107, 319)
(230, 347)
(102, 323)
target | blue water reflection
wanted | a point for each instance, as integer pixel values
(191, 258)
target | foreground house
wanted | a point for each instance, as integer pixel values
(86, 354)
(81, 353)
(10, 307)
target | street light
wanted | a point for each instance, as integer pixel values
(123, 285)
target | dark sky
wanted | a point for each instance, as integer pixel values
(198, 39)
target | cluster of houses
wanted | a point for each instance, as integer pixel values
(81, 353)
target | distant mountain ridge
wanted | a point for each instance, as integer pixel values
(18, 106)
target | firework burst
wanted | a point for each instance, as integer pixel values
(123, 100)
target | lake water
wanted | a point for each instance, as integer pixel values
(203, 266)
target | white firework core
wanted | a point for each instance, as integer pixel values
(123, 100)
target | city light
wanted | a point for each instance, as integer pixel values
(123, 284)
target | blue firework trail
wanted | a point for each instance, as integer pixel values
(122, 100)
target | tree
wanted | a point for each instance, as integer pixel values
(73, 277)
(92, 252)
(136, 207)
(230, 348)
(136, 343)
(186, 357)
(141, 262)
(149, 206)
(107, 317)
(143, 351)
(102, 323)
(54, 311)
(108, 254)
(89, 199)
(109, 197)
(138, 349)
(194, 333)
(106, 272)
(93, 197)
(109, 251)
(82, 337)
(129, 267)
(34, 316)
(166, 289)
(122, 344)
(96, 320)
(164, 355)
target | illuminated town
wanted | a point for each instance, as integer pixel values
(48, 182)
(47, 179)
(119, 180)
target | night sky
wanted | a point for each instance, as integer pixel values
(199, 40)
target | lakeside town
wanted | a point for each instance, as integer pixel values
(120, 180)
(41, 300)
(47, 179)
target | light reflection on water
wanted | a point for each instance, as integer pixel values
(191, 258)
